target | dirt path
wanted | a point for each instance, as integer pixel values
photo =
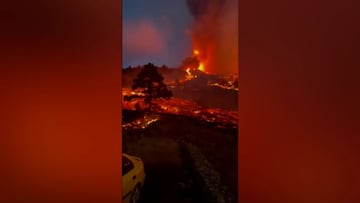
(168, 175)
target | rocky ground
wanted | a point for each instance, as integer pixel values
(185, 160)
(168, 175)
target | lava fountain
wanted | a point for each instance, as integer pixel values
(196, 54)
(215, 35)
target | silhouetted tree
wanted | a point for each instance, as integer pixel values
(150, 82)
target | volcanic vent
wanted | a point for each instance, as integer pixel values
(215, 35)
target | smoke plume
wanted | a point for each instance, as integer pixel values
(215, 34)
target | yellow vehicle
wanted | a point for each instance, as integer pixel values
(133, 178)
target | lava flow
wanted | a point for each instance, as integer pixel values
(142, 123)
(217, 117)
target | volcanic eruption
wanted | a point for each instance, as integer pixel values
(215, 35)
(211, 68)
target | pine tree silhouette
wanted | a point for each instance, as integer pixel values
(150, 82)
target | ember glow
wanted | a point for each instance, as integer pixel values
(142, 122)
(228, 86)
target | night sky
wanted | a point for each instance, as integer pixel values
(155, 31)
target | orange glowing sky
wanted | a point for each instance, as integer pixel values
(215, 40)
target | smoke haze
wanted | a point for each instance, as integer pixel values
(142, 38)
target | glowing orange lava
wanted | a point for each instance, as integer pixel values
(196, 53)
(201, 67)
(189, 76)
